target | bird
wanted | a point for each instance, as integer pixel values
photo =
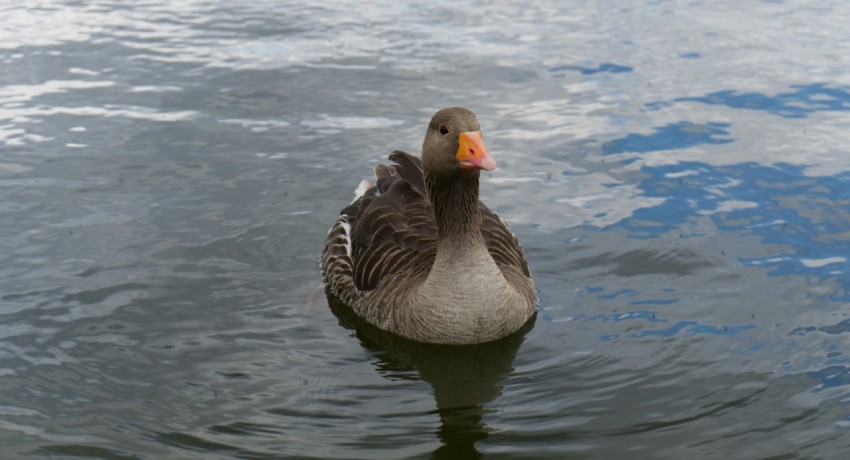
(418, 255)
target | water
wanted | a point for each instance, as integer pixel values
(677, 172)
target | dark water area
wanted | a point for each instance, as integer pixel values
(678, 173)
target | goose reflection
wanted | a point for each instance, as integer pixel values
(463, 378)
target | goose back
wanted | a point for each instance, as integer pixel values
(390, 231)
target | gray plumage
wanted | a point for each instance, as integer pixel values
(420, 256)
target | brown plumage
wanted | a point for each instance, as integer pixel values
(420, 256)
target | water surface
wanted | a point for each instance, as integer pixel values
(677, 172)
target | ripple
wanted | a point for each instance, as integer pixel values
(326, 122)
(801, 102)
(107, 111)
(817, 263)
(678, 177)
(17, 94)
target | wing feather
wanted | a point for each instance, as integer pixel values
(503, 245)
(391, 228)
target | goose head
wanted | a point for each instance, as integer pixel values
(454, 145)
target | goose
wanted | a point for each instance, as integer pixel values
(418, 255)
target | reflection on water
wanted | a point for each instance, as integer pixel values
(677, 173)
(802, 101)
(463, 379)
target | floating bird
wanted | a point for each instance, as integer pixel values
(418, 255)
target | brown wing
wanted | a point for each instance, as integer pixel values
(503, 244)
(391, 227)
(381, 233)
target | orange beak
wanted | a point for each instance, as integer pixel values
(471, 153)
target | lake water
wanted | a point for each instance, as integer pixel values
(678, 172)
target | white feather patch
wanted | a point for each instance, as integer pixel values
(346, 227)
(361, 189)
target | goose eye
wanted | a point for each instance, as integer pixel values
(444, 130)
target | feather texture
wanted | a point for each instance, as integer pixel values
(379, 256)
(393, 226)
